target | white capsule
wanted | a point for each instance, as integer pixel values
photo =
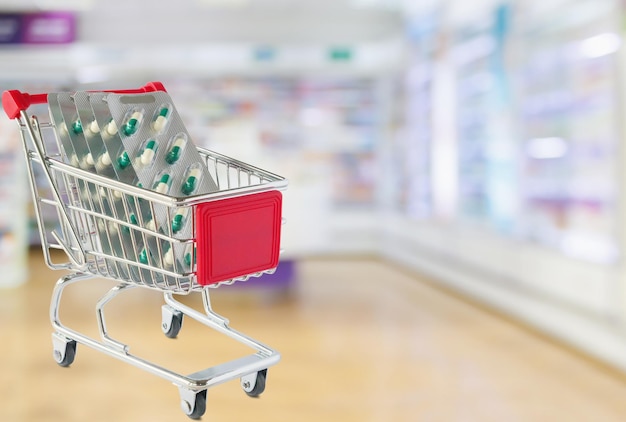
(87, 162)
(151, 225)
(168, 257)
(111, 128)
(162, 187)
(93, 127)
(104, 161)
(74, 160)
(114, 228)
(63, 128)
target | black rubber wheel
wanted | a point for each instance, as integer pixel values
(259, 387)
(70, 354)
(199, 406)
(175, 325)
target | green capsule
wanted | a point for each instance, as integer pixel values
(173, 154)
(143, 256)
(123, 160)
(188, 258)
(133, 219)
(177, 223)
(193, 175)
(189, 186)
(77, 127)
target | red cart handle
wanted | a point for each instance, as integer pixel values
(14, 101)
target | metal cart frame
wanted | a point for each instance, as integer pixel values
(83, 226)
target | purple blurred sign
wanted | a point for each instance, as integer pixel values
(10, 29)
(49, 28)
(38, 28)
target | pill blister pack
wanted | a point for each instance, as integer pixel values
(140, 140)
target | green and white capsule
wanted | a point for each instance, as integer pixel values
(192, 179)
(177, 145)
(160, 119)
(132, 123)
(178, 222)
(146, 157)
(163, 183)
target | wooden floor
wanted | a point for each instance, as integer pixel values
(361, 341)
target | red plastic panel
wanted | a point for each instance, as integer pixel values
(237, 236)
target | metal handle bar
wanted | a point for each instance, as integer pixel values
(15, 101)
(35, 136)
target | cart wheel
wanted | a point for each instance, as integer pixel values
(254, 387)
(64, 356)
(196, 409)
(171, 322)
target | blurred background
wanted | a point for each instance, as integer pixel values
(476, 145)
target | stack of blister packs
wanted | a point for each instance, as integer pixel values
(140, 140)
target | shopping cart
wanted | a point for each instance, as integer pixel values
(235, 236)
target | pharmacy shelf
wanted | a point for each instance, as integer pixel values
(570, 300)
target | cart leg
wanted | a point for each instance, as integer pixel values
(60, 285)
(100, 316)
(63, 345)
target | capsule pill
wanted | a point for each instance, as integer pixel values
(163, 184)
(148, 153)
(143, 256)
(151, 225)
(175, 150)
(93, 127)
(188, 254)
(77, 126)
(161, 119)
(193, 175)
(87, 162)
(111, 128)
(168, 257)
(133, 123)
(104, 161)
(179, 219)
(123, 160)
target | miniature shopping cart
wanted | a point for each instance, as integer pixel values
(235, 236)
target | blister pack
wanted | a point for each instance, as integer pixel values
(65, 117)
(165, 160)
